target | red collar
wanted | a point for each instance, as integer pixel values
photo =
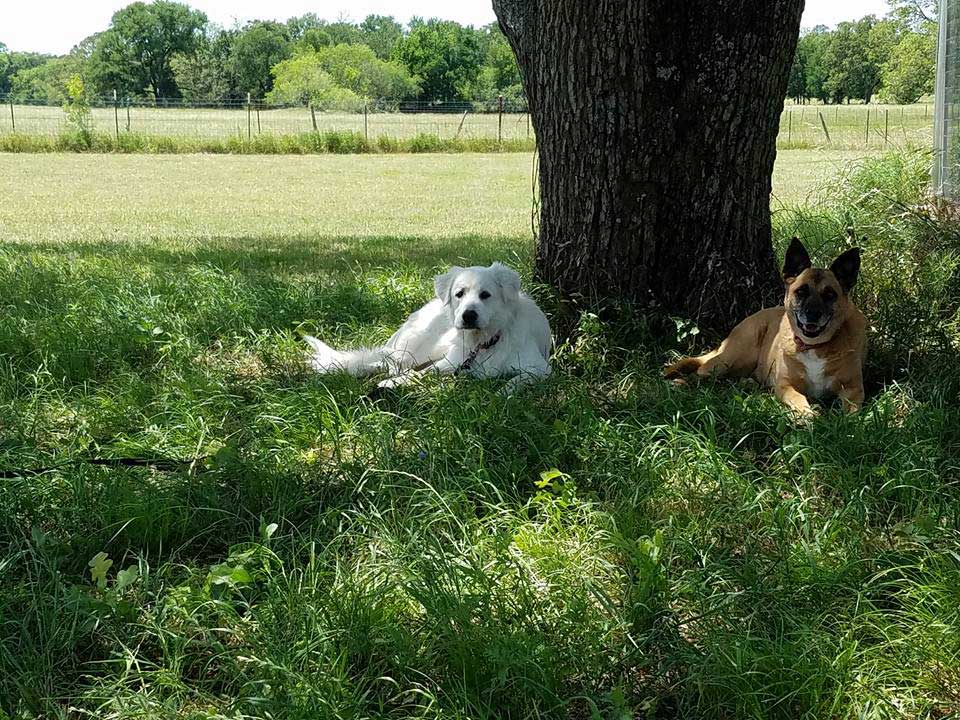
(801, 345)
(472, 357)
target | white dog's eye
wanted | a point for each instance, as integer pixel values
(459, 293)
(484, 295)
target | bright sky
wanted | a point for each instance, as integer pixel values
(54, 26)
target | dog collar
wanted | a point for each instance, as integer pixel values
(801, 345)
(472, 357)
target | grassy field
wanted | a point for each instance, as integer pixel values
(602, 546)
(325, 200)
(848, 127)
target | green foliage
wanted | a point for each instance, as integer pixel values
(135, 54)
(302, 80)
(444, 56)
(909, 72)
(381, 33)
(255, 51)
(77, 108)
(859, 59)
(358, 69)
(854, 56)
(915, 14)
(206, 74)
(6, 69)
(48, 81)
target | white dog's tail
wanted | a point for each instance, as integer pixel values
(359, 362)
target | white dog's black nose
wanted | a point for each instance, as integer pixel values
(469, 318)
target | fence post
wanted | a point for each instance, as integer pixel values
(116, 115)
(789, 127)
(313, 118)
(249, 119)
(13, 120)
(886, 125)
(258, 117)
(823, 124)
(366, 133)
(528, 123)
(867, 134)
(500, 120)
(127, 103)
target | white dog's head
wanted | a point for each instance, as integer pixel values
(478, 298)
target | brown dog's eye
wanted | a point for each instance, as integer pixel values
(802, 292)
(829, 295)
(484, 295)
(459, 294)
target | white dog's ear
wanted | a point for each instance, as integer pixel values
(508, 280)
(442, 283)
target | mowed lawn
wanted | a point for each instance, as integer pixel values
(192, 525)
(185, 199)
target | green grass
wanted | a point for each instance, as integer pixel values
(318, 554)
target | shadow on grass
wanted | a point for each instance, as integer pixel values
(307, 253)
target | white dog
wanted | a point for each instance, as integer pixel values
(479, 324)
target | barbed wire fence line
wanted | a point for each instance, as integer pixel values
(828, 126)
(497, 119)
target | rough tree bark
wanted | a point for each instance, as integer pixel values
(656, 126)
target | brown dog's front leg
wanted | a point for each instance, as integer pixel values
(795, 400)
(852, 397)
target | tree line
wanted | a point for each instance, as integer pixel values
(892, 58)
(166, 49)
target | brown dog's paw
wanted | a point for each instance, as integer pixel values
(680, 369)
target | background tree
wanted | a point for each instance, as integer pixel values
(797, 82)
(914, 14)
(499, 74)
(381, 33)
(205, 73)
(343, 33)
(358, 69)
(256, 49)
(908, 73)
(445, 56)
(815, 70)
(301, 80)
(315, 39)
(299, 25)
(6, 70)
(625, 97)
(48, 81)
(135, 53)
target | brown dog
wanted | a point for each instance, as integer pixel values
(811, 347)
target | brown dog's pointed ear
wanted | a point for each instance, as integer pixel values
(796, 260)
(846, 268)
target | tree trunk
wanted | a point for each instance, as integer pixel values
(656, 127)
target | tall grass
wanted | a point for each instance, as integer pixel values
(604, 545)
(331, 141)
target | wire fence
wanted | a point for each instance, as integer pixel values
(856, 126)
(836, 126)
(498, 119)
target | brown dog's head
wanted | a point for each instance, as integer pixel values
(817, 299)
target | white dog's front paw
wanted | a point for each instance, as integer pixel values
(390, 383)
